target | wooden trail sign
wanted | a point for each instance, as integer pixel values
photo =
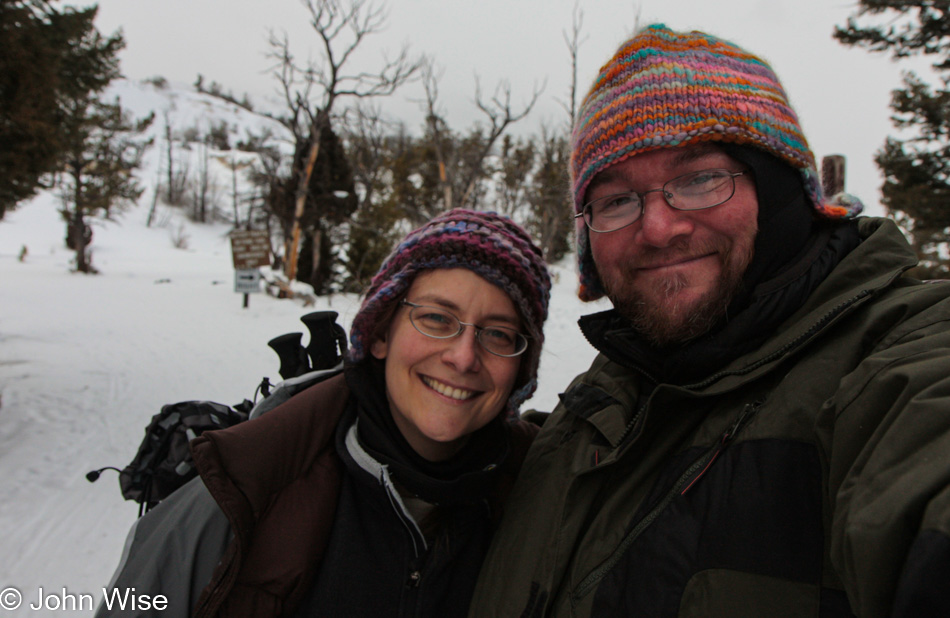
(250, 249)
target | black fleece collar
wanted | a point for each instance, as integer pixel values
(768, 305)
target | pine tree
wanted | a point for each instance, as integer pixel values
(916, 188)
(47, 62)
(377, 225)
(27, 103)
(549, 197)
(99, 145)
(102, 150)
(329, 201)
(512, 173)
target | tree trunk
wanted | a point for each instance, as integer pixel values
(303, 187)
(172, 198)
(234, 195)
(446, 187)
(76, 233)
(315, 269)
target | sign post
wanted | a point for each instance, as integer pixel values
(250, 249)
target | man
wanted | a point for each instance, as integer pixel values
(766, 430)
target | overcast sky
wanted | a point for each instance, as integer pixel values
(841, 94)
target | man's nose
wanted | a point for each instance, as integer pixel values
(661, 224)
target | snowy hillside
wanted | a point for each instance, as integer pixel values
(86, 360)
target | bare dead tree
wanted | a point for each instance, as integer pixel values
(170, 165)
(236, 166)
(573, 42)
(177, 177)
(436, 125)
(367, 131)
(374, 144)
(459, 182)
(549, 196)
(310, 90)
(155, 191)
(205, 190)
(500, 116)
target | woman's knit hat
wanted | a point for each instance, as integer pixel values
(664, 89)
(490, 245)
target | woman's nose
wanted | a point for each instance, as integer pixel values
(463, 352)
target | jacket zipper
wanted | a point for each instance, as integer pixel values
(412, 529)
(684, 483)
(409, 601)
(410, 597)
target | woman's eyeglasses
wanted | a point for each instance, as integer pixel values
(439, 323)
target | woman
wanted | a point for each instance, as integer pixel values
(375, 492)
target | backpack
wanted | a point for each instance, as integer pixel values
(163, 462)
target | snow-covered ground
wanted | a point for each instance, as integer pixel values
(85, 361)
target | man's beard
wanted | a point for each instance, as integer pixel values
(657, 315)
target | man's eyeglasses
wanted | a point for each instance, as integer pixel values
(693, 191)
(438, 323)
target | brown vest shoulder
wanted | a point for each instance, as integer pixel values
(268, 475)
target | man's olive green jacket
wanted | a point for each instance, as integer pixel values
(809, 477)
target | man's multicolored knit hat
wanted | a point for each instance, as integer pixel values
(488, 244)
(664, 89)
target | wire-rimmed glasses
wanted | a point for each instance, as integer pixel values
(693, 191)
(440, 323)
